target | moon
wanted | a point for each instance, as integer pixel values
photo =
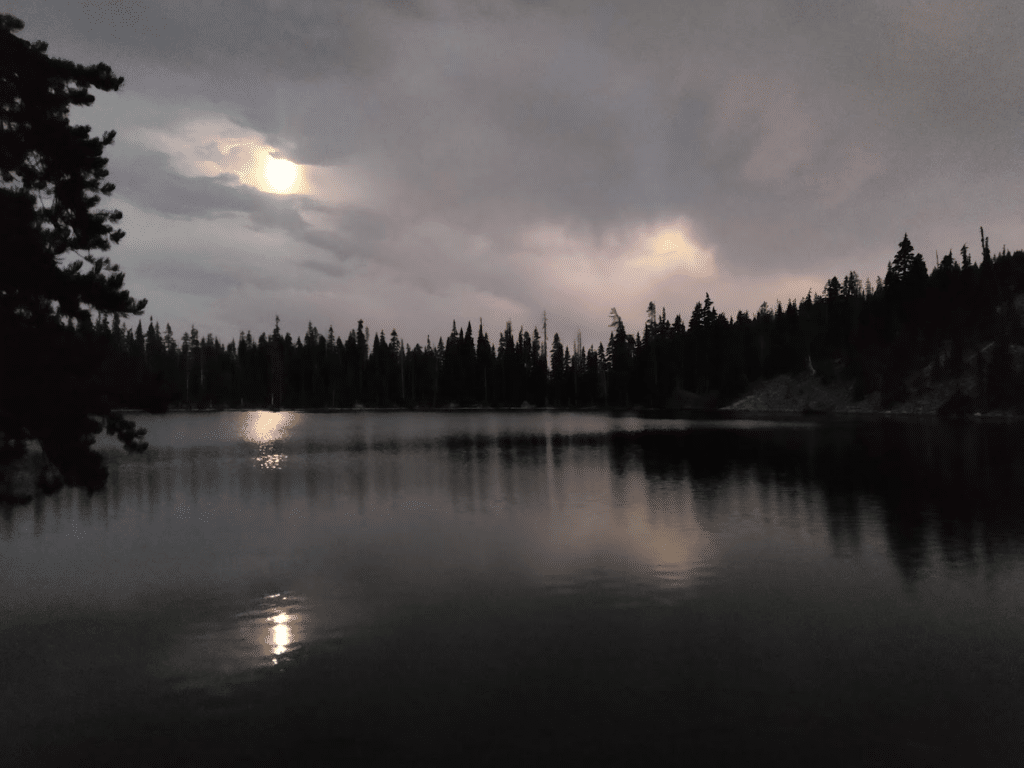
(280, 173)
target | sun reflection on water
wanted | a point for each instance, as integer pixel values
(270, 460)
(266, 426)
(275, 626)
(267, 429)
(280, 636)
(219, 654)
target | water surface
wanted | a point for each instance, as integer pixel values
(403, 587)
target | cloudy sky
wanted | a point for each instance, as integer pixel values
(500, 158)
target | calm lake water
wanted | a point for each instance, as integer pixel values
(398, 588)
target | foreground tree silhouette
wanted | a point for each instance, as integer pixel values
(52, 282)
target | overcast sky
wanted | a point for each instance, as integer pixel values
(495, 159)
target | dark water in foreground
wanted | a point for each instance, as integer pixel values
(313, 589)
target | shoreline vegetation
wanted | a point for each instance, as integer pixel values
(948, 342)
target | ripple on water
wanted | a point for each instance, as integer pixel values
(220, 653)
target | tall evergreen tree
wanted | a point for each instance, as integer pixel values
(51, 179)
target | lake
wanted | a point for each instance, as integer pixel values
(504, 587)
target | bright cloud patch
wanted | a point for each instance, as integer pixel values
(672, 249)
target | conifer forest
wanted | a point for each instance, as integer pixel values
(961, 316)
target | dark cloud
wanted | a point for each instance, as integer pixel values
(147, 179)
(195, 278)
(294, 40)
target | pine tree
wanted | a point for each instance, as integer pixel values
(51, 179)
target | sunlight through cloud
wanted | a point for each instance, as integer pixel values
(280, 173)
(215, 146)
(672, 249)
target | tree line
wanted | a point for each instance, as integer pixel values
(959, 316)
(67, 363)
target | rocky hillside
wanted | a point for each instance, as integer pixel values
(927, 394)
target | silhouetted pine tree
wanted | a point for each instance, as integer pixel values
(51, 359)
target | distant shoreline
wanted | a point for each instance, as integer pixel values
(727, 413)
